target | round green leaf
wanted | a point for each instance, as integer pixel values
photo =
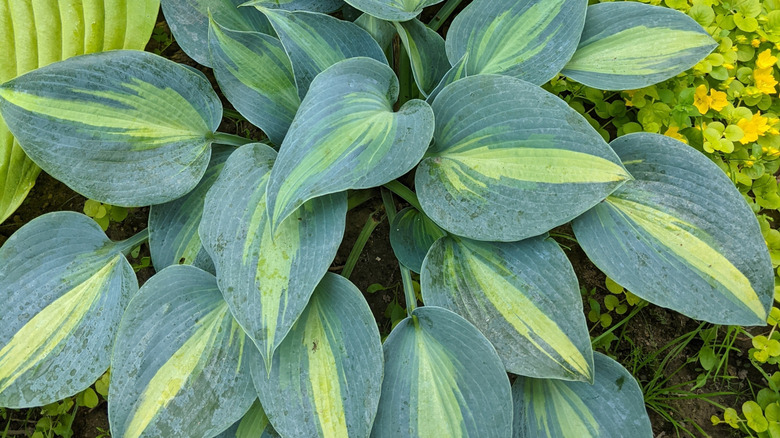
(411, 236)
(392, 10)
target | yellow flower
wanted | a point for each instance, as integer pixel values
(765, 80)
(728, 66)
(755, 43)
(674, 132)
(719, 100)
(753, 128)
(716, 99)
(765, 59)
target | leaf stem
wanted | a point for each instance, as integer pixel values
(126, 246)
(358, 197)
(362, 239)
(411, 297)
(404, 192)
(443, 14)
(230, 139)
(633, 313)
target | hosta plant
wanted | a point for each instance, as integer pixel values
(243, 330)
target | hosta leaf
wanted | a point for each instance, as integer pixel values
(511, 161)
(346, 136)
(17, 171)
(325, 6)
(426, 52)
(254, 424)
(442, 378)
(189, 23)
(411, 236)
(267, 278)
(173, 226)
(527, 39)
(629, 45)
(326, 375)
(393, 10)
(680, 235)
(179, 366)
(126, 128)
(256, 76)
(315, 41)
(612, 407)
(64, 286)
(522, 296)
(381, 31)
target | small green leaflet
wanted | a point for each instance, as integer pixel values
(125, 128)
(254, 424)
(527, 39)
(411, 236)
(523, 296)
(267, 277)
(392, 10)
(65, 286)
(426, 52)
(680, 236)
(180, 362)
(442, 379)
(325, 6)
(511, 161)
(346, 136)
(611, 407)
(630, 45)
(326, 375)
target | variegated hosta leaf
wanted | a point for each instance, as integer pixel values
(316, 41)
(346, 136)
(393, 10)
(256, 76)
(442, 379)
(522, 296)
(629, 45)
(64, 286)
(124, 127)
(411, 236)
(381, 31)
(325, 377)
(612, 407)
(527, 39)
(426, 52)
(267, 278)
(254, 424)
(189, 23)
(511, 161)
(325, 6)
(173, 227)
(17, 171)
(680, 235)
(180, 363)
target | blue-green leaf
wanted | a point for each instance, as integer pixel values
(442, 379)
(393, 10)
(527, 39)
(64, 286)
(326, 375)
(124, 127)
(511, 161)
(680, 236)
(411, 236)
(522, 296)
(325, 6)
(380, 30)
(346, 136)
(629, 45)
(267, 277)
(180, 363)
(612, 407)
(426, 52)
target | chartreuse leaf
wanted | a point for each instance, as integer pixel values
(532, 317)
(189, 23)
(629, 45)
(180, 362)
(254, 424)
(267, 278)
(426, 52)
(527, 39)
(346, 136)
(325, 6)
(64, 286)
(17, 171)
(411, 236)
(680, 235)
(316, 41)
(442, 378)
(612, 407)
(392, 10)
(325, 377)
(255, 74)
(124, 127)
(511, 161)
(173, 226)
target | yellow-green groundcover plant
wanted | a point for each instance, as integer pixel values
(243, 332)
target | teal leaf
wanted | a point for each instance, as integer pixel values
(325, 6)
(346, 136)
(523, 296)
(680, 235)
(411, 236)
(629, 45)
(325, 377)
(65, 286)
(267, 277)
(179, 366)
(123, 127)
(426, 52)
(442, 379)
(511, 161)
(611, 407)
(381, 31)
(393, 10)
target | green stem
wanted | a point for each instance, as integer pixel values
(126, 246)
(233, 114)
(231, 139)
(389, 203)
(358, 197)
(362, 239)
(404, 192)
(443, 14)
(633, 313)
(411, 297)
